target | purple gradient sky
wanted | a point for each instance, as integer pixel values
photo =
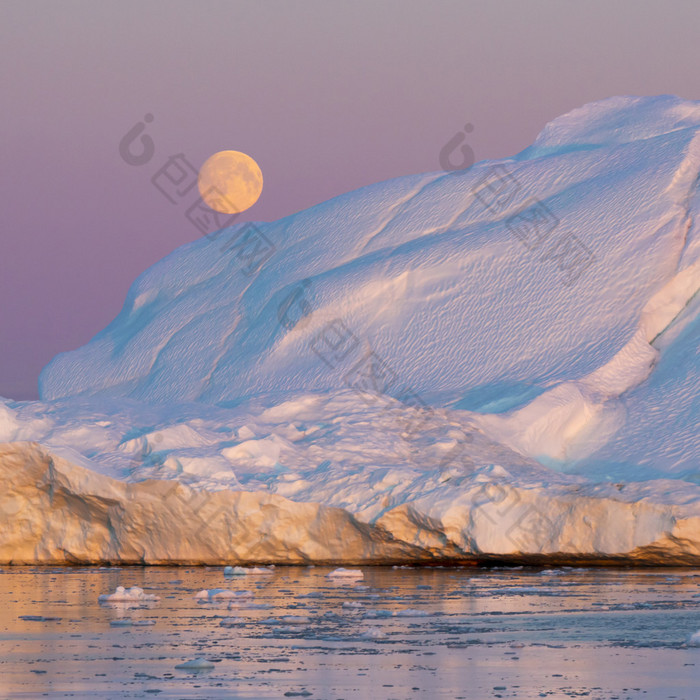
(327, 96)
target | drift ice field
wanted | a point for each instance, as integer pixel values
(499, 363)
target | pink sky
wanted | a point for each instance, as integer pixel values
(326, 96)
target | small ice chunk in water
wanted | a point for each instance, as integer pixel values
(219, 594)
(694, 639)
(410, 612)
(373, 633)
(405, 612)
(125, 622)
(127, 595)
(245, 603)
(296, 619)
(195, 665)
(248, 570)
(342, 574)
(232, 621)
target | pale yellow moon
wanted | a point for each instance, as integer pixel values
(230, 182)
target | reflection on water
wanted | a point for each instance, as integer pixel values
(398, 633)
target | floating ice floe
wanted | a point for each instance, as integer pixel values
(342, 574)
(373, 614)
(221, 594)
(373, 633)
(288, 620)
(694, 639)
(296, 619)
(232, 621)
(247, 604)
(248, 570)
(128, 622)
(410, 612)
(195, 665)
(128, 595)
(406, 612)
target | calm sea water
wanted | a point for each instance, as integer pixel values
(400, 633)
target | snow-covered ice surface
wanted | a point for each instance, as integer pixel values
(499, 362)
(432, 633)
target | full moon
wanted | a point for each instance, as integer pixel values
(230, 182)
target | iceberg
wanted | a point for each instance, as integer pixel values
(495, 364)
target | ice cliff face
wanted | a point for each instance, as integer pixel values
(57, 512)
(437, 359)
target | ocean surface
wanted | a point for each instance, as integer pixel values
(397, 633)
